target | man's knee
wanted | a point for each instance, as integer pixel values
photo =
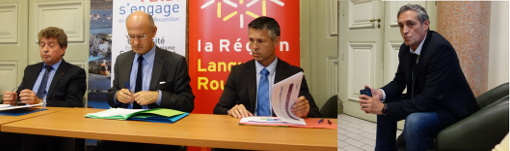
(421, 123)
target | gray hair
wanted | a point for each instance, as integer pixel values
(422, 14)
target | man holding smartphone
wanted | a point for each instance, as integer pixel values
(438, 93)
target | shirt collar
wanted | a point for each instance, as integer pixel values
(55, 66)
(149, 55)
(418, 50)
(271, 67)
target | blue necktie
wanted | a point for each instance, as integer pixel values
(138, 85)
(263, 108)
(42, 88)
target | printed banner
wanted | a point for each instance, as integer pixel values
(218, 40)
(100, 53)
(169, 16)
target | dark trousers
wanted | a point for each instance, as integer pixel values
(385, 134)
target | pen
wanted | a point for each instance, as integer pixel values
(320, 121)
(127, 86)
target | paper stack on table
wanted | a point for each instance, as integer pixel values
(4, 107)
(283, 95)
(160, 115)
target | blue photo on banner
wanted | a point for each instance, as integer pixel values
(100, 54)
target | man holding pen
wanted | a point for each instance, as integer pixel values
(149, 77)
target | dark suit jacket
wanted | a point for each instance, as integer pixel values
(168, 67)
(440, 84)
(67, 87)
(241, 87)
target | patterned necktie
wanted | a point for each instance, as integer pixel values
(263, 108)
(42, 88)
(138, 85)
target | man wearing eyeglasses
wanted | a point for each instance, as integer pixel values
(56, 82)
(149, 77)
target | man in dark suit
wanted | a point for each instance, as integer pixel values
(148, 77)
(57, 83)
(438, 93)
(164, 81)
(53, 82)
(240, 97)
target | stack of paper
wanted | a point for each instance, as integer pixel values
(276, 121)
(160, 115)
(4, 107)
(283, 96)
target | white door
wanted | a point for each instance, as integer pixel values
(360, 45)
(13, 43)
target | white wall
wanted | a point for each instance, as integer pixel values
(499, 44)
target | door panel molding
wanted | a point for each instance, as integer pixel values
(361, 12)
(9, 31)
(70, 18)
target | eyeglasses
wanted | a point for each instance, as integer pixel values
(50, 45)
(133, 37)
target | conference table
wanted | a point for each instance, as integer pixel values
(10, 119)
(204, 130)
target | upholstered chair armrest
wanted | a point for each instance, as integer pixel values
(480, 131)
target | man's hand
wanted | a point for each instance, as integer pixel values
(146, 97)
(124, 96)
(29, 97)
(9, 98)
(301, 107)
(239, 111)
(371, 105)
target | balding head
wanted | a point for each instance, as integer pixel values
(141, 30)
(140, 16)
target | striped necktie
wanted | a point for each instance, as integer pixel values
(42, 88)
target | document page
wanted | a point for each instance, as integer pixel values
(283, 95)
(4, 107)
(114, 113)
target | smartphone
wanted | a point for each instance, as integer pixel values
(366, 91)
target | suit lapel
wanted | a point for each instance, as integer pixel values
(157, 68)
(31, 78)
(251, 80)
(64, 66)
(421, 58)
(280, 71)
(125, 69)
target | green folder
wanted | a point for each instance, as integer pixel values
(160, 115)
